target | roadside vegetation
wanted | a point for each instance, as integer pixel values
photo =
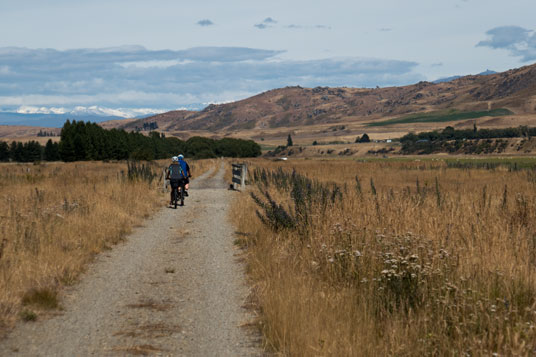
(388, 257)
(442, 116)
(55, 217)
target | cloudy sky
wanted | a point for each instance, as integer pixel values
(167, 54)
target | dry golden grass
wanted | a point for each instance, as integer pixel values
(199, 167)
(437, 261)
(55, 217)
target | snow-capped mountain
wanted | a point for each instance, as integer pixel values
(92, 110)
(56, 116)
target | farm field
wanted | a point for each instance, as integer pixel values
(393, 257)
(441, 117)
(57, 216)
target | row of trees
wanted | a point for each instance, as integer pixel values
(29, 151)
(88, 141)
(148, 126)
(42, 133)
(466, 141)
(449, 133)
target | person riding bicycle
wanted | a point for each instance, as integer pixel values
(173, 174)
(186, 173)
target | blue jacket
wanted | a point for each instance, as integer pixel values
(185, 168)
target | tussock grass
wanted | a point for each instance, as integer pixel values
(28, 315)
(392, 258)
(45, 298)
(55, 217)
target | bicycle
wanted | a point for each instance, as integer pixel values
(178, 194)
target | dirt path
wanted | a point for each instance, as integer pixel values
(174, 288)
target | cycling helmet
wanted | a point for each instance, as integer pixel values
(174, 159)
(181, 156)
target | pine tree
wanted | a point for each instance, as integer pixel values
(32, 151)
(4, 151)
(51, 152)
(66, 149)
(364, 139)
(289, 140)
(17, 151)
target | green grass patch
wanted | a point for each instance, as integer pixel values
(512, 163)
(442, 116)
(28, 315)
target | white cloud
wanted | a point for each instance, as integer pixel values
(133, 77)
(307, 27)
(154, 64)
(520, 42)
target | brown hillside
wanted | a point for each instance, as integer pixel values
(340, 114)
(27, 133)
(297, 106)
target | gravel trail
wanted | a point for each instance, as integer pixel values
(174, 288)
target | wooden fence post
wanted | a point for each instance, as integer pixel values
(240, 172)
(165, 182)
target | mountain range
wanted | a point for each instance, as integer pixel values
(56, 117)
(49, 120)
(497, 99)
(514, 90)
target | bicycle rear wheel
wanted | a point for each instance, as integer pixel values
(175, 197)
(182, 195)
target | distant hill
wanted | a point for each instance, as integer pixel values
(48, 120)
(24, 133)
(448, 79)
(514, 90)
(487, 72)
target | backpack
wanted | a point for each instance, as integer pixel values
(175, 172)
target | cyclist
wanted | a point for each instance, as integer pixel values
(173, 174)
(186, 173)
